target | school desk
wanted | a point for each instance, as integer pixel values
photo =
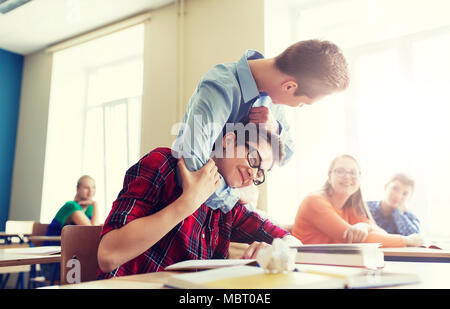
(43, 238)
(432, 276)
(141, 281)
(416, 254)
(8, 257)
(6, 237)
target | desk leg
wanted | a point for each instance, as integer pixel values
(33, 274)
(20, 281)
(55, 267)
(3, 282)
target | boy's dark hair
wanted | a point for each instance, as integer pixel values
(256, 133)
(319, 67)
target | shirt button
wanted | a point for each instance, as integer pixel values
(203, 235)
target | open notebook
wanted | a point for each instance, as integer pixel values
(191, 265)
(356, 277)
(356, 255)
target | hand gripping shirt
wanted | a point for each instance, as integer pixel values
(224, 96)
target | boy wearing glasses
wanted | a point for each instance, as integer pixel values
(154, 222)
(256, 89)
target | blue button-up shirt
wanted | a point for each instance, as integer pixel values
(224, 95)
(403, 223)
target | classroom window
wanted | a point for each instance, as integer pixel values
(112, 126)
(395, 116)
(94, 118)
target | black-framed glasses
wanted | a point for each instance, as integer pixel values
(254, 160)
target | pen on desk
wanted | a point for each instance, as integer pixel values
(322, 273)
(364, 272)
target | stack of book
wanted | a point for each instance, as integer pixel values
(368, 256)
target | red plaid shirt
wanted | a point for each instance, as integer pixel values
(149, 186)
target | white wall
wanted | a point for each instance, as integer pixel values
(64, 141)
(28, 171)
(159, 94)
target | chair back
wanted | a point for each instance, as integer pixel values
(19, 227)
(39, 229)
(79, 245)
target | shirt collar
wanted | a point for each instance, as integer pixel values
(247, 82)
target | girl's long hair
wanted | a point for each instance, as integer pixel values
(355, 201)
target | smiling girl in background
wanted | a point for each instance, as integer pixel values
(337, 213)
(390, 213)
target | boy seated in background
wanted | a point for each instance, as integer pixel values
(390, 213)
(155, 223)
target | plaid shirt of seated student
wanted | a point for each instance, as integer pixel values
(149, 186)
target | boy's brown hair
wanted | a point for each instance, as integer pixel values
(319, 67)
(404, 179)
(258, 134)
(248, 131)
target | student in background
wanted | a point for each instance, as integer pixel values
(154, 222)
(390, 213)
(83, 210)
(337, 214)
(256, 89)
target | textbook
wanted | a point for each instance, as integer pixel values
(209, 264)
(356, 255)
(252, 277)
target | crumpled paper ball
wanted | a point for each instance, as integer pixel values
(277, 258)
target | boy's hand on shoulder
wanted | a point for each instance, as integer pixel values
(199, 185)
(263, 115)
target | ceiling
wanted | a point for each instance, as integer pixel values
(41, 23)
